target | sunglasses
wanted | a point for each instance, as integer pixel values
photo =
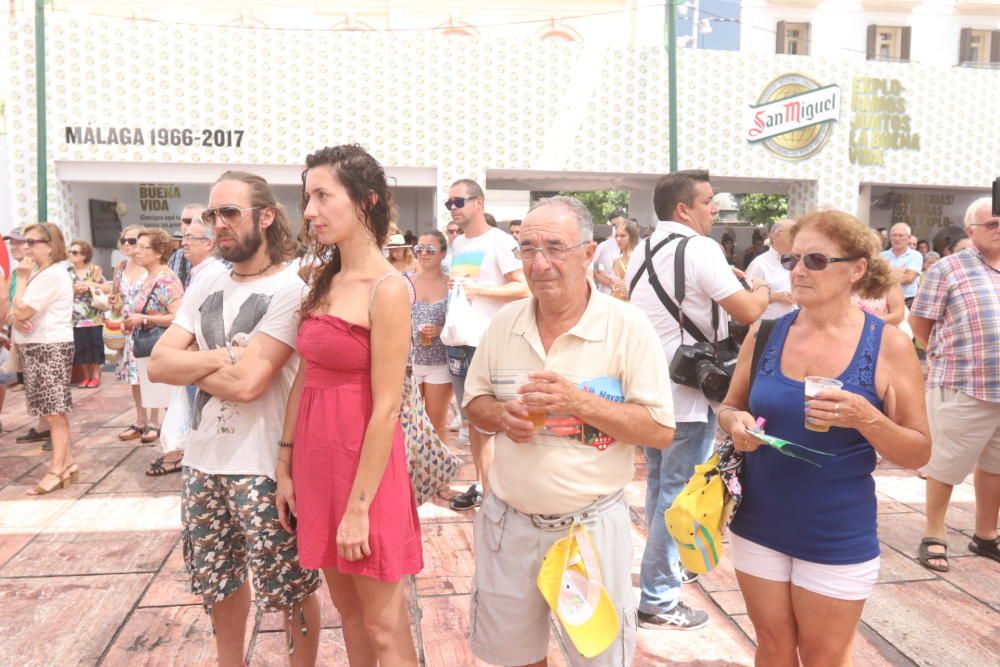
(31, 243)
(458, 202)
(452, 232)
(230, 215)
(421, 249)
(814, 261)
(188, 221)
(129, 241)
(74, 252)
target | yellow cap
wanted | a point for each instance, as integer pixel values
(570, 581)
(696, 517)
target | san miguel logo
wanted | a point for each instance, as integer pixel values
(794, 116)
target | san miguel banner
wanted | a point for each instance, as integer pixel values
(793, 116)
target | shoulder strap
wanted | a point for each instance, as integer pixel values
(763, 334)
(378, 281)
(661, 293)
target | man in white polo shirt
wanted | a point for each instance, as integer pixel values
(768, 268)
(590, 368)
(907, 263)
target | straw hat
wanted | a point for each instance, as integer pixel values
(397, 241)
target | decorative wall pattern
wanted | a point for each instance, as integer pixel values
(460, 106)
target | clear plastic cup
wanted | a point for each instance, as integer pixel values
(814, 385)
(537, 418)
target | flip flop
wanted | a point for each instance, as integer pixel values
(159, 467)
(986, 548)
(924, 555)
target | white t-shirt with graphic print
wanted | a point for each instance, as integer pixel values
(485, 260)
(229, 438)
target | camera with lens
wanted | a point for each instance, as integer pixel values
(704, 366)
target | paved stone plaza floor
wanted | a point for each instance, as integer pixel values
(93, 574)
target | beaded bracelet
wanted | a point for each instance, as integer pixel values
(285, 443)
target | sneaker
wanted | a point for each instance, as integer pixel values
(34, 436)
(681, 617)
(463, 436)
(471, 499)
(456, 423)
(689, 577)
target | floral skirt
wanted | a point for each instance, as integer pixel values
(126, 369)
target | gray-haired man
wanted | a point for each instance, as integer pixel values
(569, 380)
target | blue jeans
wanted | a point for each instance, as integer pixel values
(669, 470)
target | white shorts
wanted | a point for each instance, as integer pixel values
(842, 582)
(436, 374)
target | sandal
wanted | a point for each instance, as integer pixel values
(925, 554)
(986, 548)
(40, 489)
(133, 432)
(161, 467)
(148, 436)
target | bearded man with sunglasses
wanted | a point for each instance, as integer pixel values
(244, 324)
(483, 262)
(685, 208)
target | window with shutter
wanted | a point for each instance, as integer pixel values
(890, 43)
(793, 38)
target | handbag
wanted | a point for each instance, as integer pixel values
(113, 331)
(99, 299)
(430, 463)
(708, 501)
(706, 365)
(144, 340)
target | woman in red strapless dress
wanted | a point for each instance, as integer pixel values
(351, 494)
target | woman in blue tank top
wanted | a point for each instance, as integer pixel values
(804, 540)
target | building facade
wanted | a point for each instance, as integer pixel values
(149, 113)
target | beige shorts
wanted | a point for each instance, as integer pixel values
(509, 622)
(965, 433)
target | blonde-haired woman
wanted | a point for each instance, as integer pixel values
(804, 541)
(43, 330)
(128, 278)
(627, 238)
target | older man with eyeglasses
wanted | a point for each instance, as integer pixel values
(483, 262)
(569, 380)
(179, 263)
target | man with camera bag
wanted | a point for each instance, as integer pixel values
(687, 315)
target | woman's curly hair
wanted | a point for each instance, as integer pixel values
(856, 241)
(366, 184)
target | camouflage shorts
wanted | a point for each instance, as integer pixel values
(230, 523)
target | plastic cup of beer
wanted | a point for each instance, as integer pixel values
(425, 336)
(536, 418)
(814, 385)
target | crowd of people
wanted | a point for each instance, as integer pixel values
(282, 361)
